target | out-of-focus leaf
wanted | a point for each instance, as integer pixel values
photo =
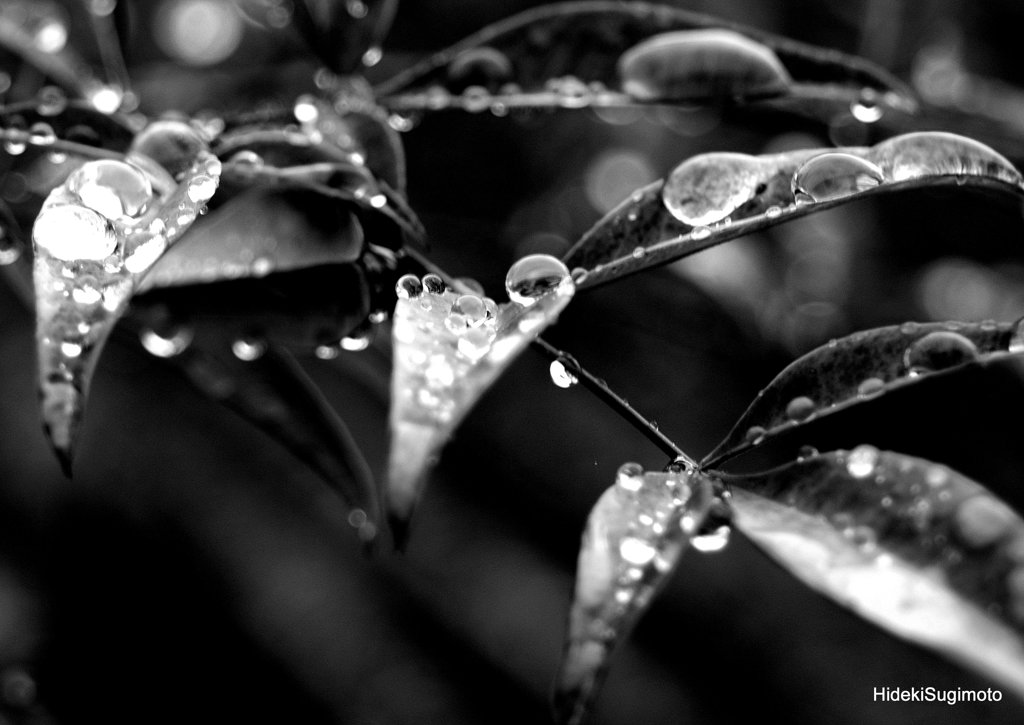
(715, 197)
(94, 238)
(573, 55)
(449, 347)
(265, 385)
(634, 538)
(36, 31)
(344, 34)
(856, 369)
(913, 546)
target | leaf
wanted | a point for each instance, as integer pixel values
(449, 347)
(267, 387)
(712, 198)
(859, 368)
(94, 238)
(917, 548)
(634, 538)
(581, 54)
(344, 34)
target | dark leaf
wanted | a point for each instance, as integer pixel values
(344, 34)
(573, 55)
(913, 546)
(634, 538)
(859, 368)
(715, 197)
(450, 345)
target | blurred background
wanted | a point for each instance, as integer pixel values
(194, 571)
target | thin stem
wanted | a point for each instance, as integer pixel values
(595, 385)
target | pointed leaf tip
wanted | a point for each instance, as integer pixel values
(449, 347)
(635, 535)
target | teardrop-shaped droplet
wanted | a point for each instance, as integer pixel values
(71, 232)
(936, 153)
(938, 350)
(534, 276)
(834, 175)
(112, 188)
(560, 376)
(691, 64)
(708, 188)
(481, 66)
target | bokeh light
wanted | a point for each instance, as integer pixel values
(198, 32)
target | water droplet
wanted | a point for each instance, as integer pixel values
(870, 386)
(697, 64)
(755, 434)
(699, 233)
(863, 537)
(408, 287)
(936, 153)
(372, 56)
(167, 344)
(51, 101)
(806, 452)
(248, 349)
(773, 212)
(800, 408)
(433, 284)
(201, 188)
(106, 99)
(41, 134)
(630, 476)
(15, 141)
(305, 110)
(867, 108)
(636, 551)
(1017, 336)
(639, 252)
(112, 188)
(71, 233)
(402, 122)
(938, 350)
(482, 66)
(261, 266)
(356, 342)
(471, 308)
(378, 201)
(246, 162)
(834, 175)
(708, 188)
(86, 292)
(534, 276)
(560, 376)
(476, 99)
(715, 540)
(172, 144)
(356, 8)
(983, 520)
(861, 461)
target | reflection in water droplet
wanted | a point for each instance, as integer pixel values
(715, 540)
(166, 345)
(534, 276)
(861, 461)
(708, 188)
(800, 408)
(834, 175)
(248, 349)
(938, 351)
(560, 376)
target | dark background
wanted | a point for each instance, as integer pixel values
(193, 571)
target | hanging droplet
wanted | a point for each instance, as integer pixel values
(708, 188)
(408, 287)
(697, 64)
(560, 376)
(72, 233)
(861, 461)
(166, 345)
(938, 351)
(534, 276)
(51, 101)
(715, 540)
(834, 175)
(867, 108)
(112, 188)
(800, 408)
(248, 349)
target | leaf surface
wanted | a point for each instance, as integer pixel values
(914, 547)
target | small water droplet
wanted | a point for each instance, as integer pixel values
(356, 342)
(755, 434)
(201, 188)
(636, 551)
(870, 387)
(867, 108)
(800, 408)
(106, 99)
(938, 350)
(15, 141)
(372, 56)
(327, 352)
(862, 460)
(51, 101)
(408, 287)
(246, 162)
(806, 452)
(167, 344)
(476, 99)
(535, 275)
(639, 252)
(700, 233)
(630, 476)
(560, 376)
(248, 349)
(41, 134)
(471, 308)
(714, 540)
(708, 188)
(86, 292)
(306, 110)
(834, 175)
(863, 537)
(773, 212)
(433, 284)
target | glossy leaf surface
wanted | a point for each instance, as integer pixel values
(913, 546)
(712, 198)
(573, 55)
(856, 369)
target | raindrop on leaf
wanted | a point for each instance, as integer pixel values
(534, 276)
(938, 351)
(834, 175)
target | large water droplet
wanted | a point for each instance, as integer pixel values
(112, 188)
(534, 276)
(861, 461)
(938, 350)
(932, 153)
(560, 376)
(708, 188)
(834, 175)
(71, 233)
(691, 64)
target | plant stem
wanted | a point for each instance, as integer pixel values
(18, 136)
(595, 385)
